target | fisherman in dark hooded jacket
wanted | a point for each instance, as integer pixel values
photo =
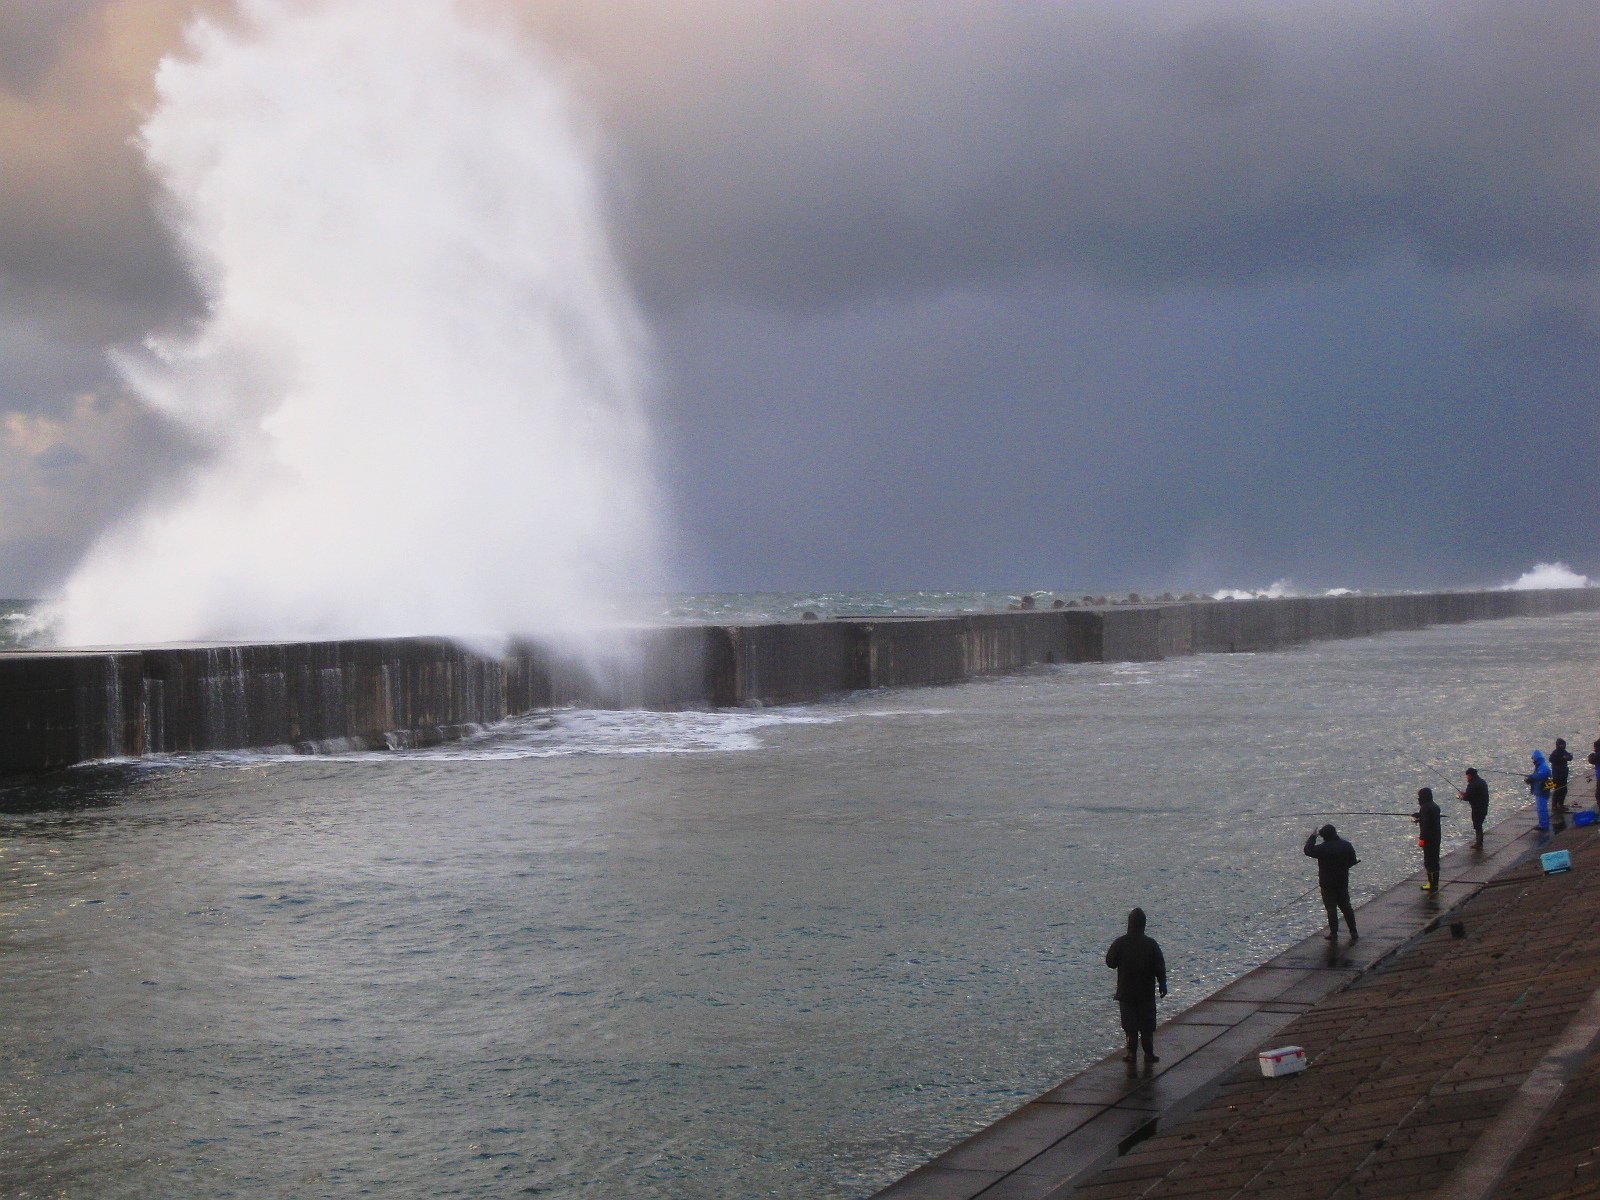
(1427, 819)
(1560, 760)
(1140, 969)
(1335, 857)
(1476, 794)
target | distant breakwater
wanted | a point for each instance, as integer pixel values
(60, 707)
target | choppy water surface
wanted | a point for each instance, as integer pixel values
(786, 953)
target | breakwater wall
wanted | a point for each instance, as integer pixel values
(59, 707)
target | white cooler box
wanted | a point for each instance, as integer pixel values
(1285, 1060)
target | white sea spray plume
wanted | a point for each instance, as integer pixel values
(418, 374)
(1546, 575)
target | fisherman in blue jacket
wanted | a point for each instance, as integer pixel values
(1539, 784)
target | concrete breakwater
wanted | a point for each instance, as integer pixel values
(59, 707)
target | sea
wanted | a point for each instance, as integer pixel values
(782, 952)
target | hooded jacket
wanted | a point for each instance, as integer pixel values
(1538, 781)
(1334, 860)
(1559, 771)
(1138, 962)
(1477, 795)
(1427, 819)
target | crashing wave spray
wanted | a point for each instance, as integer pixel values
(418, 374)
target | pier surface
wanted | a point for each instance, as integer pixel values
(1449, 1054)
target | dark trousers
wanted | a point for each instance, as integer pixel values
(1336, 899)
(1138, 1016)
(1478, 817)
(1558, 797)
(1430, 858)
(1139, 1022)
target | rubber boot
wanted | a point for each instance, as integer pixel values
(1132, 1048)
(1150, 1048)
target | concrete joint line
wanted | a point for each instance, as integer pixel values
(1485, 1165)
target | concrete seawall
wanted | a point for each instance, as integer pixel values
(60, 707)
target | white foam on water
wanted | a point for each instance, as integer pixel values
(593, 731)
(560, 733)
(1276, 590)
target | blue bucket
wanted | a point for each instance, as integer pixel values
(1584, 818)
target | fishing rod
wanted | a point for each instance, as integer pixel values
(1440, 772)
(1356, 813)
(1280, 911)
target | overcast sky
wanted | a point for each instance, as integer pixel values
(1084, 293)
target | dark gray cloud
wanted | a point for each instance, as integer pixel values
(1156, 293)
(804, 155)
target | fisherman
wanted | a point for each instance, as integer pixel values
(1559, 773)
(1141, 969)
(1335, 857)
(1539, 787)
(1476, 795)
(1594, 763)
(1427, 819)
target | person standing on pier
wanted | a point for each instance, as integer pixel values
(1539, 787)
(1476, 795)
(1560, 772)
(1141, 969)
(1427, 819)
(1335, 857)
(1594, 763)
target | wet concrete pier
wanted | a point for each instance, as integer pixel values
(61, 707)
(1091, 1135)
(1460, 1065)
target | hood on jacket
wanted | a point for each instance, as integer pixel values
(1136, 921)
(1538, 758)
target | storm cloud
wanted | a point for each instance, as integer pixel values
(1015, 294)
(808, 154)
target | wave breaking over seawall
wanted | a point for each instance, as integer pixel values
(417, 380)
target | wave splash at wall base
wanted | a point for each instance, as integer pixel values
(417, 381)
